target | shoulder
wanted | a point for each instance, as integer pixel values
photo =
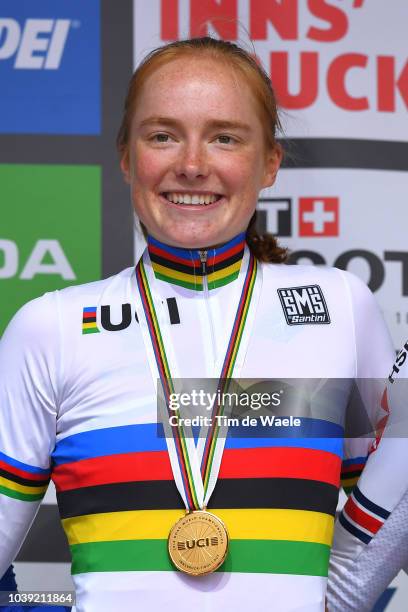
(299, 272)
(98, 289)
(305, 275)
(33, 318)
(39, 319)
(343, 292)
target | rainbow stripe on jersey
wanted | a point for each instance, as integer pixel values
(183, 266)
(89, 325)
(118, 500)
(351, 471)
(22, 481)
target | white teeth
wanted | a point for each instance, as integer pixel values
(193, 199)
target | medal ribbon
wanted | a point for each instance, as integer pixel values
(178, 433)
(167, 383)
(228, 368)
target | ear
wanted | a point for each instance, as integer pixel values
(125, 166)
(272, 165)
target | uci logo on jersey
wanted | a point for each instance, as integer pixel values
(35, 45)
(304, 305)
(118, 317)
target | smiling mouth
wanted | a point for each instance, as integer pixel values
(192, 199)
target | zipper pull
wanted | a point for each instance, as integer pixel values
(203, 259)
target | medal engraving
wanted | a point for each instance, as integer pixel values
(198, 543)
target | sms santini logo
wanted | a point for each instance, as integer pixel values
(304, 305)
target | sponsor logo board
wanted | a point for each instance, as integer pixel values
(333, 69)
(50, 55)
(51, 235)
(318, 216)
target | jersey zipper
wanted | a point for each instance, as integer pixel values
(204, 269)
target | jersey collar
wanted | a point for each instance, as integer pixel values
(184, 267)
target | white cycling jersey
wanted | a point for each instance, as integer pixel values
(78, 404)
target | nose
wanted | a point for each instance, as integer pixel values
(192, 162)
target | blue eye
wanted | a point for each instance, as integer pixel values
(161, 137)
(224, 139)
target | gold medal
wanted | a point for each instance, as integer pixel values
(198, 543)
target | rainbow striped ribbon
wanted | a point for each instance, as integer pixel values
(224, 379)
(228, 367)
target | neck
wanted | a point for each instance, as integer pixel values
(191, 268)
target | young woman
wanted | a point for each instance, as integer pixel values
(209, 298)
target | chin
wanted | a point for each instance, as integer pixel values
(188, 242)
(192, 239)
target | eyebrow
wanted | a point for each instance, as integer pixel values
(219, 124)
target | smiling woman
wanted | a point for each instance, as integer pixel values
(198, 142)
(213, 302)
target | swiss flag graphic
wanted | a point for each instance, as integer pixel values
(318, 216)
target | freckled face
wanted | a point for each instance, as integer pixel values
(196, 160)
